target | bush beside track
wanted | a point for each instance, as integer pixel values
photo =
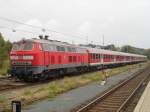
(52, 89)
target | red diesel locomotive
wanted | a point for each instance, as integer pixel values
(42, 58)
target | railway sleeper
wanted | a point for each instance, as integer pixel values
(121, 94)
(101, 110)
(107, 106)
(114, 101)
(111, 103)
(118, 97)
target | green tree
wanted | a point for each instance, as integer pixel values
(5, 47)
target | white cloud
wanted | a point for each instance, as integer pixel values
(52, 24)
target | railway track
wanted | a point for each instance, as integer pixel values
(116, 99)
(8, 84)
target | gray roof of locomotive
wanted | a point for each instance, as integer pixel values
(83, 49)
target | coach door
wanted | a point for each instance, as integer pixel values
(46, 58)
(82, 59)
(46, 54)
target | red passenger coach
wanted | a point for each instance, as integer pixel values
(42, 58)
(99, 57)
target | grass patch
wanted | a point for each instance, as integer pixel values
(27, 93)
(2, 99)
(4, 67)
(40, 89)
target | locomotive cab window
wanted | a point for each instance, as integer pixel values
(16, 46)
(23, 46)
(28, 46)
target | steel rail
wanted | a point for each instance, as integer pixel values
(111, 91)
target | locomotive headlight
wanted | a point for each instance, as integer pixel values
(13, 57)
(28, 57)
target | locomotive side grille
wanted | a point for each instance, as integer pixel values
(21, 63)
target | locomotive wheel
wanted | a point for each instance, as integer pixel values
(30, 78)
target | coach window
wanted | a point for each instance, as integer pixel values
(73, 49)
(97, 55)
(93, 56)
(116, 57)
(101, 56)
(53, 47)
(59, 48)
(50, 47)
(68, 49)
(105, 56)
(112, 57)
(45, 47)
(62, 48)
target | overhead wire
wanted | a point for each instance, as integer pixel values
(25, 31)
(15, 30)
(43, 29)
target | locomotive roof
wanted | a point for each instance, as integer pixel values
(54, 42)
(90, 50)
(59, 43)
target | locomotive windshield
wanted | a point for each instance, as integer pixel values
(22, 46)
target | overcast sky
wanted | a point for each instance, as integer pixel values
(121, 21)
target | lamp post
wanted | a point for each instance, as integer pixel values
(103, 72)
(16, 106)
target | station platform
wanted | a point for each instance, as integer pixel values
(144, 102)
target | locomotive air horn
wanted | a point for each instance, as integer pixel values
(41, 36)
(46, 37)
